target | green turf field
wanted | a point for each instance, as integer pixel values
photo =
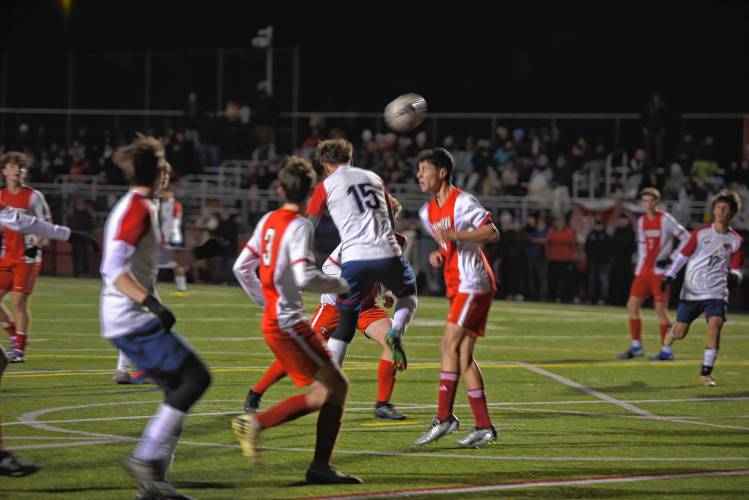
(570, 414)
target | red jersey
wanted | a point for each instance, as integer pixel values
(655, 237)
(26, 200)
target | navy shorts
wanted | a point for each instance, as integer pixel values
(394, 273)
(688, 310)
(154, 350)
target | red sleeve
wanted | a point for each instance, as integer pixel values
(691, 245)
(487, 219)
(177, 212)
(737, 259)
(317, 201)
(135, 222)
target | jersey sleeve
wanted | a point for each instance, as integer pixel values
(135, 222)
(678, 231)
(424, 219)
(332, 265)
(39, 207)
(469, 214)
(244, 269)
(737, 257)
(691, 246)
(317, 203)
(253, 244)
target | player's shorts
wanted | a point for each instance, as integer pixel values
(689, 310)
(154, 350)
(166, 257)
(470, 310)
(648, 285)
(394, 273)
(299, 350)
(19, 277)
(325, 318)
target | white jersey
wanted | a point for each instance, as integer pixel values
(281, 248)
(357, 202)
(655, 241)
(132, 242)
(710, 256)
(170, 220)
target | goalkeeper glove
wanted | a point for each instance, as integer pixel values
(31, 251)
(666, 283)
(166, 318)
(663, 262)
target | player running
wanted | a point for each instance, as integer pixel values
(374, 323)
(280, 249)
(714, 257)
(459, 225)
(170, 217)
(357, 202)
(656, 230)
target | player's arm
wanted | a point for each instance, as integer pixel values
(244, 270)
(29, 224)
(302, 262)
(483, 234)
(677, 231)
(681, 258)
(736, 272)
(316, 204)
(473, 223)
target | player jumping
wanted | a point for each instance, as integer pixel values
(715, 258)
(459, 225)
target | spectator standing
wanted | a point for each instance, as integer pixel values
(623, 248)
(597, 248)
(561, 245)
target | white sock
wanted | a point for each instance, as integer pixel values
(666, 349)
(405, 307)
(708, 359)
(636, 344)
(337, 349)
(123, 363)
(169, 447)
(164, 424)
(181, 282)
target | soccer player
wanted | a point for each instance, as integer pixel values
(656, 230)
(374, 323)
(135, 321)
(170, 216)
(280, 249)
(357, 202)
(714, 257)
(21, 256)
(459, 225)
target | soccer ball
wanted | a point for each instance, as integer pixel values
(406, 112)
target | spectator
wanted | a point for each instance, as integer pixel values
(675, 184)
(597, 248)
(654, 124)
(511, 259)
(623, 248)
(81, 219)
(561, 257)
(705, 164)
(535, 236)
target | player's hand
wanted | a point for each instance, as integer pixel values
(31, 251)
(444, 235)
(436, 259)
(166, 318)
(388, 300)
(84, 238)
(663, 262)
(211, 248)
(666, 283)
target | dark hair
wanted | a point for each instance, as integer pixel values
(17, 157)
(731, 198)
(651, 191)
(142, 160)
(440, 158)
(334, 152)
(297, 179)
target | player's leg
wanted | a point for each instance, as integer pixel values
(634, 303)
(122, 373)
(716, 315)
(399, 278)
(660, 303)
(483, 432)
(9, 464)
(273, 374)
(359, 277)
(23, 322)
(8, 325)
(386, 371)
(180, 279)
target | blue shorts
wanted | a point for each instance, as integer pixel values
(394, 273)
(154, 350)
(688, 310)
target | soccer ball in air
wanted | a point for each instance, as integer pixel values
(406, 112)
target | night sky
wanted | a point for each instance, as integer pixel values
(573, 57)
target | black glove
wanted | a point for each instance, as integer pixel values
(666, 283)
(31, 251)
(211, 248)
(733, 280)
(165, 316)
(663, 262)
(84, 238)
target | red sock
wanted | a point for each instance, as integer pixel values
(477, 400)
(19, 341)
(448, 383)
(635, 329)
(11, 329)
(271, 376)
(663, 328)
(385, 380)
(328, 426)
(285, 411)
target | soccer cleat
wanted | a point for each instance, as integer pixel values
(141, 377)
(123, 377)
(15, 467)
(708, 380)
(252, 403)
(158, 490)
(631, 353)
(439, 429)
(180, 294)
(479, 437)
(388, 412)
(393, 340)
(246, 430)
(662, 356)
(16, 356)
(145, 471)
(327, 474)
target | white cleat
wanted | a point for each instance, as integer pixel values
(708, 380)
(439, 429)
(479, 437)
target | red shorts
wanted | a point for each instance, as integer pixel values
(299, 350)
(325, 318)
(647, 285)
(470, 310)
(19, 277)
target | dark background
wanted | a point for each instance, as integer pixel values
(602, 56)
